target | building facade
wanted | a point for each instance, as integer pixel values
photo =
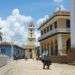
(17, 53)
(55, 34)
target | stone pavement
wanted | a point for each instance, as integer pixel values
(33, 67)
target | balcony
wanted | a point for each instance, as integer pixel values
(58, 30)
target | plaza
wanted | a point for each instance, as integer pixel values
(24, 40)
(34, 67)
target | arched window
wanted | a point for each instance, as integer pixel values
(68, 45)
(52, 53)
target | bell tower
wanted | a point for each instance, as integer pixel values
(31, 41)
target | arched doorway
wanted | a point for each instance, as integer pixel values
(68, 45)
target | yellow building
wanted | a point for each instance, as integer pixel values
(55, 34)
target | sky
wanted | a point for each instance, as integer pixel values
(16, 15)
(34, 8)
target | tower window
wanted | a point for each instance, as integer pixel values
(31, 34)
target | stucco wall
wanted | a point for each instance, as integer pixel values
(3, 60)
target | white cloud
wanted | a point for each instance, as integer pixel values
(40, 21)
(15, 12)
(61, 7)
(15, 26)
(58, 1)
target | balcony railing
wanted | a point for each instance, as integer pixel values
(58, 30)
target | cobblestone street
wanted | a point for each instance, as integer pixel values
(33, 67)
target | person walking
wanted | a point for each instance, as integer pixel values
(46, 61)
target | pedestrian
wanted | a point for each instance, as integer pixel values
(46, 61)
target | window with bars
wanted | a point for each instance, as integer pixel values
(41, 32)
(67, 23)
(55, 24)
(50, 27)
(47, 29)
(44, 30)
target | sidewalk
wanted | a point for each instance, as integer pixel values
(4, 69)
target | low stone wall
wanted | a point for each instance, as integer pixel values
(3, 60)
(59, 59)
(69, 58)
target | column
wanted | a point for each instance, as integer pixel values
(60, 44)
(49, 50)
(33, 53)
(73, 23)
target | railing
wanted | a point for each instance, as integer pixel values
(61, 30)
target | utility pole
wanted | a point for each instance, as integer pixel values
(12, 49)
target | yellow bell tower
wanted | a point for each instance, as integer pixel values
(31, 41)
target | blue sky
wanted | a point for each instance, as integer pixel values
(34, 8)
(15, 15)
